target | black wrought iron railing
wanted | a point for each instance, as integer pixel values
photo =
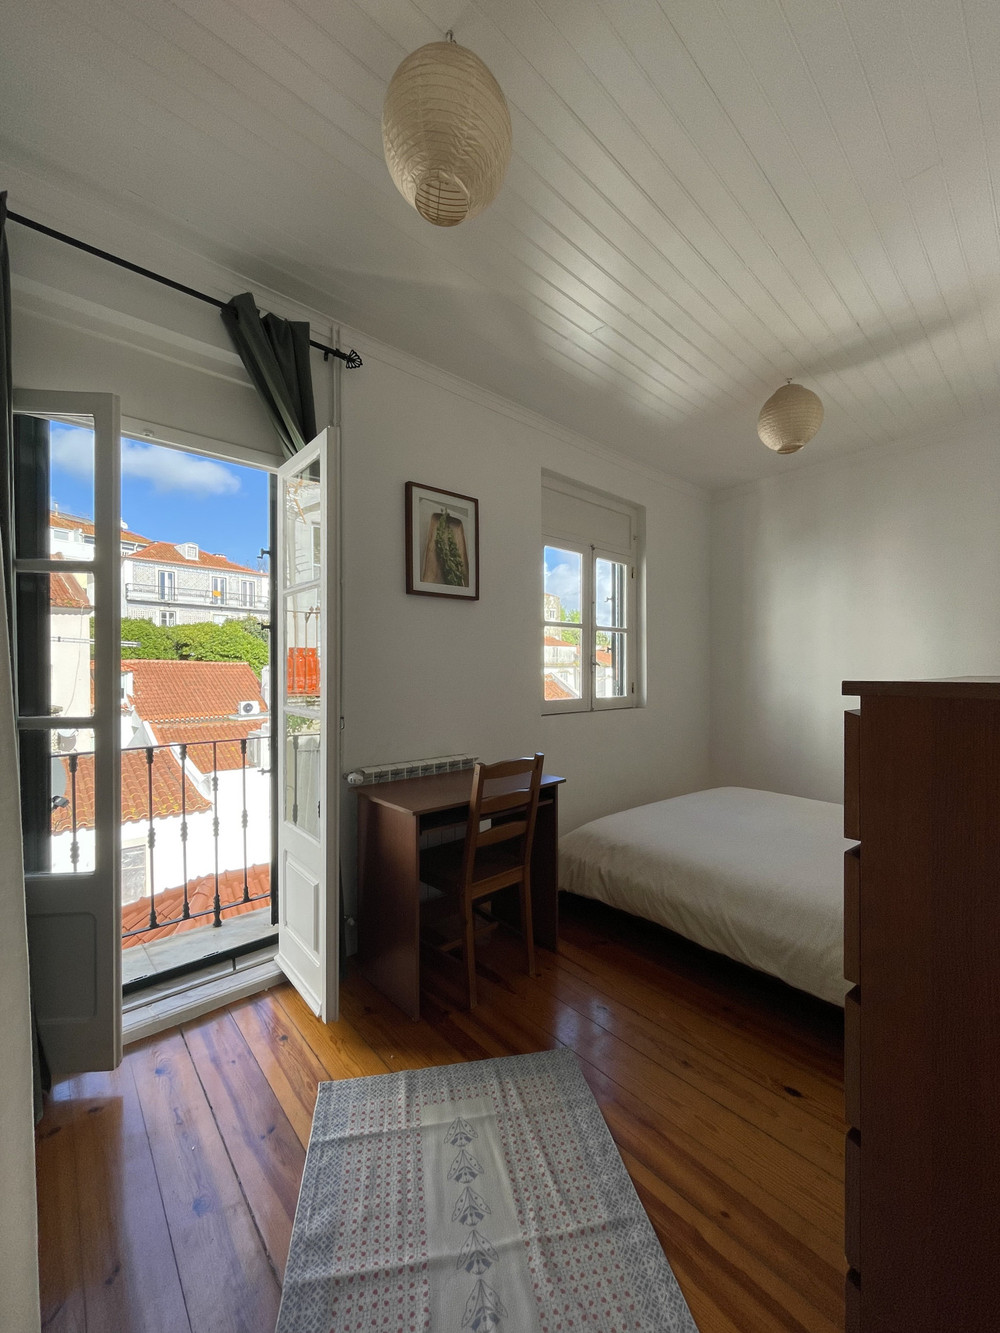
(231, 598)
(191, 802)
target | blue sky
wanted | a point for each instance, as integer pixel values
(562, 576)
(168, 494)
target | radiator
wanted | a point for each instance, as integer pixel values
(411, 768)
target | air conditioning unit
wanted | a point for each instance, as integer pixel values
(248, 707)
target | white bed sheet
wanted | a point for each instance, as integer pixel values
(754, 875)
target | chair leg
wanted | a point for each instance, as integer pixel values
(526, 926)
(469, 922)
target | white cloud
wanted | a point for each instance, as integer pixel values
(564, 580)
(174, 470)
(165, 469)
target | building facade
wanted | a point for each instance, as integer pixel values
(183, 585)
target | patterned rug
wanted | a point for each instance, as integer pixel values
(486, 1197)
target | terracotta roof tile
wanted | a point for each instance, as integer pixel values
(555, 689)
(192, 691)
(201, 896)
(73, 523)
(67, 594)
(163, 553)
(228, 755)
(135, 790)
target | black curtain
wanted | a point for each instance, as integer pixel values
(275, 353)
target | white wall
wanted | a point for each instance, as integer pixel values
(426, 675)
(884, 565)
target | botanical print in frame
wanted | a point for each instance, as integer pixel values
(442, 543)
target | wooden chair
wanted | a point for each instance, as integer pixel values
(469, 871)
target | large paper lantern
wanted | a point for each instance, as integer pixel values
(446, 133)
(790, 418)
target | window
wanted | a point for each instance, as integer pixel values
(218, 589)
(165, 584)
(591, 644)
(168, 618)
(247, 592)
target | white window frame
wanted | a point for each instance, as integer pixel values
(219, 586)
(165, 579)
(168, 619)
(248, 592)
(591, 552)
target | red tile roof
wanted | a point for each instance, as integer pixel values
(66, 593)
(135, 790)
(555, 689)
(227, 756)
(72, 523)
(163, 553)
(192, 691)
(201, 897)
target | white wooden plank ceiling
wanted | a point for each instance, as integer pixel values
(706, 196)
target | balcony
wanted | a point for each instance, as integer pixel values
(230, 600)
(196, 848)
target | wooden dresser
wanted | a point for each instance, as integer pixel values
(922, 1023)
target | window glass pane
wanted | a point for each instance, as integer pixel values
(54, 644)
(562, 664)
(303, 542)
(58, 819)
(302, 640)
(302, 775)
(611, 584)
(563, 584)
(610, 674)
(54, 483)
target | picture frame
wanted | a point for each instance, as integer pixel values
(441, 561)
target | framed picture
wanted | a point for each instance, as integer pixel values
(442, 543)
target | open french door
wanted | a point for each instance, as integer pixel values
(69, 724)
(305, 730)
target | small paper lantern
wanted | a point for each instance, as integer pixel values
(446, 133)
(790, 418)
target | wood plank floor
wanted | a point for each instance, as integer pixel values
(167, 1188)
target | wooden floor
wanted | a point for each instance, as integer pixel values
(167, 1189)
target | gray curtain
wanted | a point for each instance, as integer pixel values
(275, 353)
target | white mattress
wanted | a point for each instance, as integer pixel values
(751, 874)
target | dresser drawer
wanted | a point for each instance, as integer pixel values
(852, 1057)
(852, 1199)
(852, 914)
(852, 774)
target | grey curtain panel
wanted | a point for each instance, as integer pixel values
(275, 353)
(6, 426)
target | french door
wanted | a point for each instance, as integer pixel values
(306, 725)
(69, 722)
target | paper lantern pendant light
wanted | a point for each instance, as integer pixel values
(790, 418)
(446, 133)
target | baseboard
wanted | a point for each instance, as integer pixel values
(152, 1013)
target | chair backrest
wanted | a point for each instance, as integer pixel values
(507, 794)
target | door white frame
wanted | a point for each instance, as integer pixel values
(74, 921)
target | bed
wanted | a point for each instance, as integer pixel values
(754, 875)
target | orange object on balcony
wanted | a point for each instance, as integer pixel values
(312, 670)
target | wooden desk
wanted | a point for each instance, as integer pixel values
(391, 818)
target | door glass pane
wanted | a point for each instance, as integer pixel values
(59, 824)
(303, 542)
(54, 645)
(611, 585)
(302, 772)
(302, 640)
(55, 488)
(563, 584)
(610, 668)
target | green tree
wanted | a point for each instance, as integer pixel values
(145, 640)
(228, 642)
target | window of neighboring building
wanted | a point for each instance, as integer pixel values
(168, 617)
(218, 588)
(220, 620)
(591, 641)
(247, 592)
(165, 583)
(133, 872)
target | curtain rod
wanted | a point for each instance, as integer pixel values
(350, 359)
